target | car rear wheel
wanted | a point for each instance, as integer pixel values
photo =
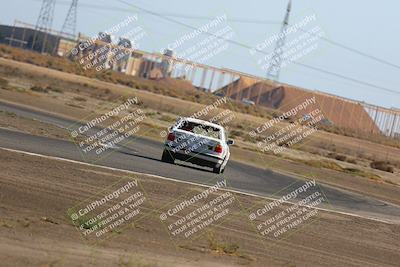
(218, 170)
(167, 157)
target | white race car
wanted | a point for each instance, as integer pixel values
(198, 142)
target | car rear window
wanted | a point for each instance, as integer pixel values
(200, 129)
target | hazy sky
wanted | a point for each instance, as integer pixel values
(369, 26)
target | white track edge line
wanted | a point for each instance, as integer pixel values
(187, 182)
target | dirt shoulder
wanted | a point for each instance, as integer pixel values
(361, 185)
(38, 193)
(77, 97)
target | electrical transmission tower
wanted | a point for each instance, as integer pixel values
(69, 26)
(276, 60)
(44, 22)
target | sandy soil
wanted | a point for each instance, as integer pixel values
(36, 231)
(16, 123)
(63, 102)
(26, 75)
(361, 185)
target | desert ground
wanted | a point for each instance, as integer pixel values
(36, 230)
(39, 194)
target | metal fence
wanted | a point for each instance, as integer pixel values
(374, 120)
(238, 86)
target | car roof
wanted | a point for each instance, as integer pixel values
(202, 122)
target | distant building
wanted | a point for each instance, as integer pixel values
(123, 42)
(65, 46)
(119, 58)
(25, 36)
(134, 64)
(149, 66)
(166, 66)
(104, 37)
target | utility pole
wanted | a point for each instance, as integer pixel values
(276, 60)
(44, 22)
(69, 26)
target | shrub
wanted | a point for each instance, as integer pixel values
(144, 87)
(337, 156)
(322, 164)
(54, 89)
(38, 88)
(3, 82)
(361, 173)
(352, 161)
(382, 165)
(79, 98)
(215, 245)
(340, 157)
(167, 118)
(235, 133)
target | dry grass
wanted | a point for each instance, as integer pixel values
(336, 167)
(337, 156)
(80, 99)
(361, 173)
(39, 89)
(164, 109)
(376, 138)
(3, 82)
(322, 164)
(382, 165)
(169, 87)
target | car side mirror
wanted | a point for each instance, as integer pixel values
(230, 142)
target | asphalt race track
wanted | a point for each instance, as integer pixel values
(143, 155)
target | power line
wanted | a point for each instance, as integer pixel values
(347, 78)
(69, 26)
(353, 50)
(274, 68)
(260, 51)
(44, 22)
(166, 16)
(176, 15)
(243, 20)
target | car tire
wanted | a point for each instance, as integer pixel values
(167, 157)
(218, 170)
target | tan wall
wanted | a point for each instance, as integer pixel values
(340, 112)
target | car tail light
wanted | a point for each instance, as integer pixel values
(218, 148)
(171, 137)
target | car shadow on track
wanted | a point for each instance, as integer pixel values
(159, 160)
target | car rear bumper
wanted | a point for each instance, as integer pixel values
(196, 158)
